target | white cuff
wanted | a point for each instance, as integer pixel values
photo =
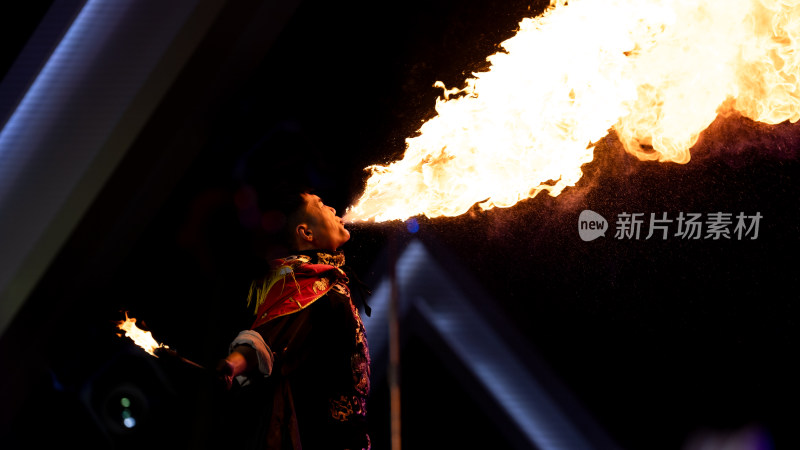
(263, 352)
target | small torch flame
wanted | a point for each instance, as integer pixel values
(139, 337)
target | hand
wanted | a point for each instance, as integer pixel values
(225, 374)
(230, 367)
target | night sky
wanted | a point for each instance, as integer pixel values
(659, 340)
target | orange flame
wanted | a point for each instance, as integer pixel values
(139, 337)
(656, 72)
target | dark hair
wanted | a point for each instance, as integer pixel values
(285, 209)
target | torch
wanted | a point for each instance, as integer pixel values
(145, 340)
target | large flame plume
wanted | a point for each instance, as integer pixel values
(656, 72)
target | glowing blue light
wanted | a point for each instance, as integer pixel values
(74, 123)
(129, 422)
(36, 175)
(42, 102)
(412, 225)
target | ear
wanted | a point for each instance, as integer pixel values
(304, 232)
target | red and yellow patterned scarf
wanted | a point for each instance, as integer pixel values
(294, 283)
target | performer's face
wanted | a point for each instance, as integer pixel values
(324, 230)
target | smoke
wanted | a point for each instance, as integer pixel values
(738, 141)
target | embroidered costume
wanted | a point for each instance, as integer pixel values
(313, 355)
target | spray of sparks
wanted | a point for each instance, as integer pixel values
(655, 72)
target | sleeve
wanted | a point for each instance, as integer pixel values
(264, 354)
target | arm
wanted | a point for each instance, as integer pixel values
(248, 355)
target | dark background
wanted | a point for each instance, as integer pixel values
(658, 340)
